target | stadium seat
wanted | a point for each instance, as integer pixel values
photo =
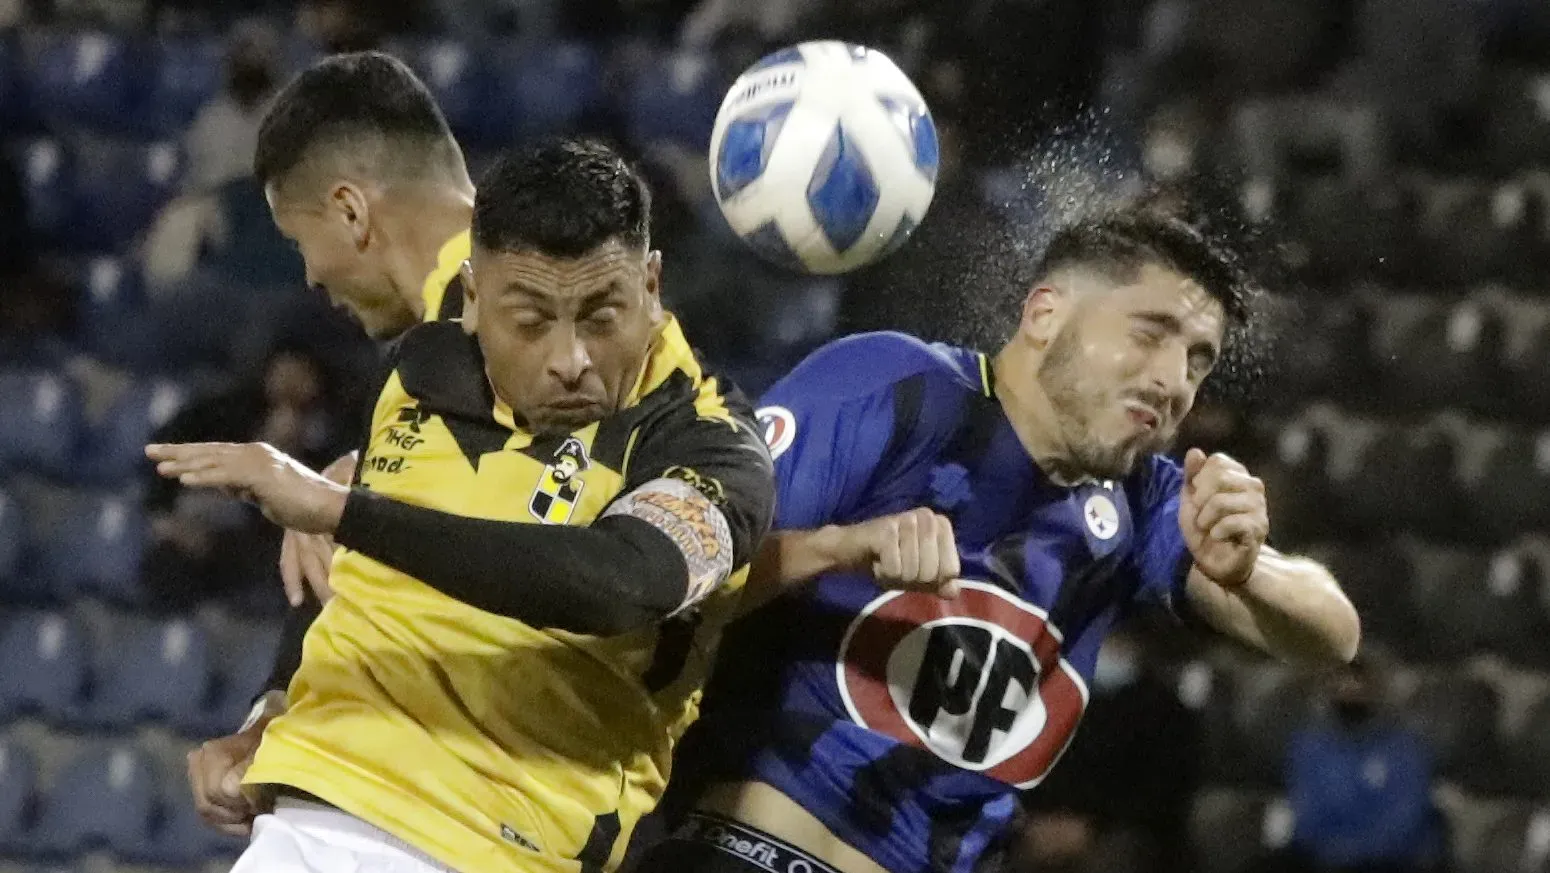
(1231, 828)
(1528, 377)
(96, 548)
(48, 175)
(1212, 695)
(115, 451)
(245, 663)
(160, 671)
(542, 90)
(1271, 707)
(13, 539)
(188, 71)
(1377, 576)
(106, 797)
(1529, 750)
(1471, 602)
(1297, 480)
(13, 88)
(18, 795)
(120, 187)
(41, 423)
(1431, 356)
(1518, 841)
(86, 80)
(111, 320)
(1458, 716)
(1385, 494)
(455, 75)
(675, 101)
(46, 660)
(1324, 351)
(1511, 492)
(182, 839)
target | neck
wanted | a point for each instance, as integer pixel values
(1032, 416)
(417, 230)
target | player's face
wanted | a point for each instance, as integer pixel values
(1124, 369)
(564, 339)
(331, 231)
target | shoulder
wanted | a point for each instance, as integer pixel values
(439, 364)
(866, 363)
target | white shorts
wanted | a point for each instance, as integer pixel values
(301, 837)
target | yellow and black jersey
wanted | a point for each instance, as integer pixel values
(490, 742)
(442, 294)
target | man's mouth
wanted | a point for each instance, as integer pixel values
(1143, 415)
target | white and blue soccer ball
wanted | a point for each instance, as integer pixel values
(824, 157)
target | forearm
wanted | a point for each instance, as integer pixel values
(788, 559)
(1289, 607)
(342, 470)
(612, 577)
(288, 656)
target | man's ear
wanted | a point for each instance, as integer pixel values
(1043, 311)
(654, 284)
(347, 201)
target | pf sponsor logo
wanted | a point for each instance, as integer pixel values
(977, 680)
(780, 428)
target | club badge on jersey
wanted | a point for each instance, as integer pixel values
(555, 496)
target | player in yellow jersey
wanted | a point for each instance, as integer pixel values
(553, 522)
(363, 174)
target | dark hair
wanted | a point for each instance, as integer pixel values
(342, 100)
(562, 197)
(1120, 243)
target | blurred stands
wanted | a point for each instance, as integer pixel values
(1406, 437)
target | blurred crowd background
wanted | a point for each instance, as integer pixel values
(1387, 158)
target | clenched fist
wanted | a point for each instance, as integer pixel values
(909, 551)
(1223, 516)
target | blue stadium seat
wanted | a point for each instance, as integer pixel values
(120, 188)
(675, 101)
(13, 88)
(454, 73)
(46, 660)
(41, 423)
(159, 672)
(188, 72)
(115, 452)
(18, 795)
(246, 663)
(48, 176)
(86, 79)
(96, 548)
(183, 839)
(106, 797)
(13, 539)
(542, 90)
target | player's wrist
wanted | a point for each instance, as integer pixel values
(839, 549)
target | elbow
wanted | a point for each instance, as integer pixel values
(1341, 637)
(1348, 639)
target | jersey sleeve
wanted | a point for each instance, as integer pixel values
(1161, 560)
(712, 446)
(829, 440)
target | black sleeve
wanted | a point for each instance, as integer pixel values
(288, 656)
(614, 576)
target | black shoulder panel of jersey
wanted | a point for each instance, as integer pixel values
(728, 462)
(441, 367)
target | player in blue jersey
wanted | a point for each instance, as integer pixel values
(1018, 505)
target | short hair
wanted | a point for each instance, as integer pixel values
(1120, 243)
(344, 101)
(561, 197)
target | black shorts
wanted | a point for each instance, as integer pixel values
(710, 844)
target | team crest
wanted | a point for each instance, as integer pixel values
(979, 681)
(558, 489)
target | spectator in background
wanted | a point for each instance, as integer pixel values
(1118, 800)
(1360, 787)
(221, 140)
(206, 545)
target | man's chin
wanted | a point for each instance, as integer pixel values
(565, 420)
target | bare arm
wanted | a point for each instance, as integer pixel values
(912, 550)
(1289, 607)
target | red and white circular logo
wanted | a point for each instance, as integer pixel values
(977, 680)
(780, 428)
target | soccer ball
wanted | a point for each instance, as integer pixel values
(823, 157)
